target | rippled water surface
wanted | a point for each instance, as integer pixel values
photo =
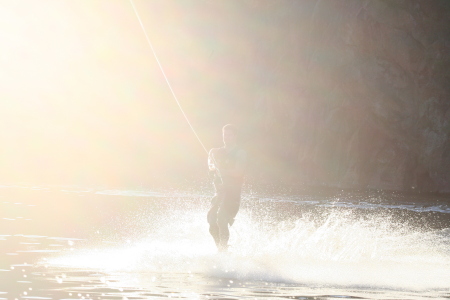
(61, 243)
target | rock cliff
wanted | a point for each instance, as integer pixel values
(353, 93)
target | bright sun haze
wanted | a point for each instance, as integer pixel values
(337, 185)
(82, 97)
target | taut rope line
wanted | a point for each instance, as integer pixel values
(167, 80)
(170, 87)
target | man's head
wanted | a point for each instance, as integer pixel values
(229, 134)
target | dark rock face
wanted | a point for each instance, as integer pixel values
(357, 94)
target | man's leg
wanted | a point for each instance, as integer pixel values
(224, 232)
(228, 209)
(212, 220)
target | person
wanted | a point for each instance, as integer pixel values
(228, 165)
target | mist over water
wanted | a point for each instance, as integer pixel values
(280, 240)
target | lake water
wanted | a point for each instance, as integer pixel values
(75, 243)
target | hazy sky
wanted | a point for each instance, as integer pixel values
(82, 96)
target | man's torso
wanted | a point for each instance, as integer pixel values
(228, 160)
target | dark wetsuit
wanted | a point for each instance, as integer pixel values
(227, 199)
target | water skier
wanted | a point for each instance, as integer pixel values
(228, 164)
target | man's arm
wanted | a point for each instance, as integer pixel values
(211, 161)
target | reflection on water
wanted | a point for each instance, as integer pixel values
(104, 244)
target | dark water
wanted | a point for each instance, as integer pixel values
(73, 243)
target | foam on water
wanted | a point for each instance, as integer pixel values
(333, 249)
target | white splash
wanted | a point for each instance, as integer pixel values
(338, 249)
